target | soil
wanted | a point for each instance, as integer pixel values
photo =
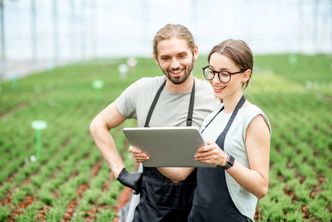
(71, 207)
(21, 207)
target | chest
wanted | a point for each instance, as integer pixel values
(170, 110)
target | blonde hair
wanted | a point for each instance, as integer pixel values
(238, 51)
(173, 30)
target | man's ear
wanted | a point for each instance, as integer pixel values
(195, 53)
(155, 58)
(246, 75)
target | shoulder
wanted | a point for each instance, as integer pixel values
(205, 91)
(148, 81)
(254, 114)
(203, 85)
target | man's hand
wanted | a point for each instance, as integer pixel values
(138, 154)
(132, 180)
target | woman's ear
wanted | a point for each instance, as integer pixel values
(246, 75)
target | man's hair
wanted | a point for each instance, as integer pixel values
(173, 30)
(236, 50)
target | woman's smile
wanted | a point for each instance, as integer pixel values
(218, 89)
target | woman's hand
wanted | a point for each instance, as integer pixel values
(211, 154)
(138, 154)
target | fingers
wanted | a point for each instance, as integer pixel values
(138, 154)
(134, 150)
(207, 148)
(141, 157)
(209, 142)
(207, 156)
(211, 154)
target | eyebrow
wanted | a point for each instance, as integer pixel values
(222, 69)
(183, 53)
(176, 54)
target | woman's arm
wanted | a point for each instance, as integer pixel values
(254, 179)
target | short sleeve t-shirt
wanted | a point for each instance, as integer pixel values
(171, 108)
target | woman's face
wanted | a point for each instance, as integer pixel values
(222, 63)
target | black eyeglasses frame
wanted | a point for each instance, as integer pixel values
(218, 72)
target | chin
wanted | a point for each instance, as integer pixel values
(176, 80)
(218, 96)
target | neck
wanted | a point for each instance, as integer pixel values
(186, 86)
(231, 101)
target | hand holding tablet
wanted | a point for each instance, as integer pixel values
(167, 146)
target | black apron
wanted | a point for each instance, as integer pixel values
(212, 201)
(161, 199)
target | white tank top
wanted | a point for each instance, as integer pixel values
(235, 145)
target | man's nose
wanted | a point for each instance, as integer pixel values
(175, 63)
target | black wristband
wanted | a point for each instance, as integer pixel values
(132, 180)
(229, 162)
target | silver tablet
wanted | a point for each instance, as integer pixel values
(167, 146)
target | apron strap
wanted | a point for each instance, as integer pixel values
(221, 139)
(153, 105)
(156, 98)
(191, 106)
(222, 108)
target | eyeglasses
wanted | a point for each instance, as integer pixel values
(223, 76)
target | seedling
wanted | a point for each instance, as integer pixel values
(38, 126)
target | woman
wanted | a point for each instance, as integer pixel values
(237, 142)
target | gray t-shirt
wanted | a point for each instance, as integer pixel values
(171, 108)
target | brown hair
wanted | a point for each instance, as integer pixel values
(173, 30)
(238, 51)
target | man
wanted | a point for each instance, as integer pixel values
(175, 99)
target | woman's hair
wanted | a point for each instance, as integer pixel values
(173, 30)
(238, 51)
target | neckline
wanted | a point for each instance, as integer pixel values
(178, 88)
(246, 105)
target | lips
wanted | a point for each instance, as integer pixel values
(176, 73)
(218, 89)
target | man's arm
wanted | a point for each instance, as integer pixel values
(176, 174)
(107, 119)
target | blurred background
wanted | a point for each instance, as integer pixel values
(82, 54)
(37, 34)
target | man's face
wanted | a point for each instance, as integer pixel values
(175, 59)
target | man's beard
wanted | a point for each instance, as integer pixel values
(182, 79)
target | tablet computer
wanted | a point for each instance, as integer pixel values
(167, 146)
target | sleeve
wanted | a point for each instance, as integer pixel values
(251, 115)
(127, 101)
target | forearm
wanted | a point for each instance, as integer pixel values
(106, 145)
(249, 179)
(176, 174)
